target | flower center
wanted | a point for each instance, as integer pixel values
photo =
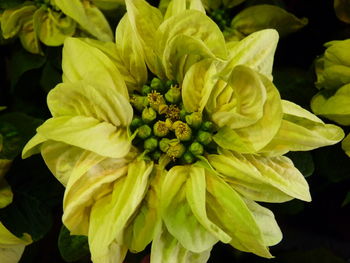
(163, 127)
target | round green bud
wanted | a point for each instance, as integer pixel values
(160, 129)
(170, 83)
(207, 126)
(188, 157)
(173, 95)
(183, 114)
(176, 149)
(136, 122)
(150, 144)
(204, 137)
(156, 155)
(194, 119)
(182, 131)
(139, 102)
(144, 131)
(157, 84)
(164, 144)
(145, 90)
(149, 115)
(196, 148)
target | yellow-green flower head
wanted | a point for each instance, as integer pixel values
(52, 21)
(182, 183)
(333, 80)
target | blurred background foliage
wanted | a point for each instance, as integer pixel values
(313, 232)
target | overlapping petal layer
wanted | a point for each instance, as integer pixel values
(122, 200)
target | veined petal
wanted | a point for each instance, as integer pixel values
(177, 213)
(131, 60)
(278, 177)
(166, 249)
(125, 55)
(110, 214)
(145, 20)
(255, 51)
(88, 16)
(81, 98)
(195, 24)
(198, 84)
(81, 61)
(228, 210)
(256, 136)
(181, 53)
(246, 178)
(196, 198)
(336, 107)
(84, 188)
(175, 7)
(61, 159)
(246, 105)
(12, 247)
(87, 133)
(142, 229)
(265, 219)
(301, 132)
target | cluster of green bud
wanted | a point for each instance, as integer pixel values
(163, 127)
(45, 4)
(221, 18)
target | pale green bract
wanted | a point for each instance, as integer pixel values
(52, 21)
(123, 201)
(333, 80)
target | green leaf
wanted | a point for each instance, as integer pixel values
(5, 4)
(72, 248)
(21, 62)
(295, 84)
(36, 192)
(303, 161)
(16, 129)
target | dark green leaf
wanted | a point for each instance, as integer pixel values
(332, 163)
(303, 161)
(72, 248)
(36, 193)
(23, 61)
(16, 129)
(295, 84)
(50, 77)
(10, 3)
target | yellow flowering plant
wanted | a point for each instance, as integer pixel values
(170, 135)
(51, 21)
(333, 80)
